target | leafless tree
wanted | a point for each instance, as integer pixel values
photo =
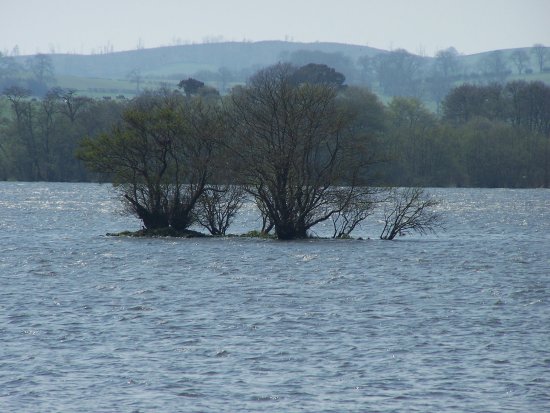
(351, 209)
(409, 209)
(494, 66)
(447, 62)
(136, 77)
(520, 59)
(267, 223)
(25, 122)
(541, 54)
(42, 67)
(217, 207)
(72, 103)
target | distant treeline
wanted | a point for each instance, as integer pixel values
(485, 135)
(39, 137)
(35, 75)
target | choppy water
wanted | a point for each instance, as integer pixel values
(454, 322)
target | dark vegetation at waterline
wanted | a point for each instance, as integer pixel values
(158, 233)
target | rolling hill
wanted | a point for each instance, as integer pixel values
(223, 65)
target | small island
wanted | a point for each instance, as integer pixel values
(292, 141)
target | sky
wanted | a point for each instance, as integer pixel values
(420, 26)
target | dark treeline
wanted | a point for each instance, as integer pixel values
(39, 137)
(485, 135)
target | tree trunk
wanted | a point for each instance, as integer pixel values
(153, 220)
(290, 231)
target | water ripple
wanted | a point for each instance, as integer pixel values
(451, 322)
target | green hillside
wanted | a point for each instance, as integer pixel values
(190, 58)
(223, 65)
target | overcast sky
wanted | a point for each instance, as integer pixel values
(420, 26)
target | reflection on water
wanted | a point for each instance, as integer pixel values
(456, 321)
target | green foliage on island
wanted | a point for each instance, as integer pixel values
(258, 234)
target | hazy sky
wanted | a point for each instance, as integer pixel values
(420, 26)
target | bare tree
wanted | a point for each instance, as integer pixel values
(493, 65)
(446, 62)
(136, 77)
(267, 222)
(541, 54)
(41, 66)
(350, 210)
(225, 76)
(218, 206)
(72, 104)
(399, 73)
(520, 59)
(409, 209)
(25, 122)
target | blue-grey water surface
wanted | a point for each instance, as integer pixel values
(453, 322)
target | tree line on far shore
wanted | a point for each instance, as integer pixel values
(486, 135)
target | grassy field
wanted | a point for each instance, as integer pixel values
(97, 87)
(543, 77)
(181, 70)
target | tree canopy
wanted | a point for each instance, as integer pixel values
(294, 146)
(160, 157)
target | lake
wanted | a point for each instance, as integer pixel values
(457, 321)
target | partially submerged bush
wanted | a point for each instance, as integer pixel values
(217, 207)
(352, 208)
(409, 209)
